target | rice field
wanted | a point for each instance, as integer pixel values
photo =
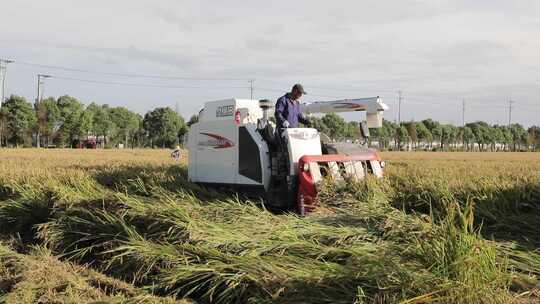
(125, 226)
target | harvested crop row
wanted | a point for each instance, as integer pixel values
(38, 277)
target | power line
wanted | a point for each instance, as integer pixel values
(415, 99)
(316, 87)
(251, 81)
(532, 108)
(485, 100)
(251, 87)
(490, 106)
(420, 99)
(348, 89)
(309, 95)
(146, 85)
(129, 74)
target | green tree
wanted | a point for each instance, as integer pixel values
(384, 134)
(482, 134)
(423, 133)
(127, 123)
(84, 127)
(501, 136)
(467, 137)
(435, 129)
(193, 119)
(183, 129)
(449, 134)
(318, 124)
(335, 124)
(21, 119)
(141, 134)
(402, 136)
(533, 138)
(518, 134)
(162, 126)
(3, 125)
(351, 130)
(102, 125)
(49, 118)
(507, 135)
(72, 122)
(412, 132)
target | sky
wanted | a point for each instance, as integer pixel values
(437, 52)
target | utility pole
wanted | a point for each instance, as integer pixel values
(510, 107)
(39, 98)
(3, 70)
(39, 87)
(251, 81)
(463, 116)
(399, 108)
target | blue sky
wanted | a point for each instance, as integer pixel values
(437, 52)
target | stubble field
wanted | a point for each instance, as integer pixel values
(125, 226)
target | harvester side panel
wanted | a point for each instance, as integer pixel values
(192, 140)
(215, 144)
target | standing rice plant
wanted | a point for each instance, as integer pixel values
(75, 187)
(471, 269)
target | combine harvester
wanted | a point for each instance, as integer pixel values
(234, 144)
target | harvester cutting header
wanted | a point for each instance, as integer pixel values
(234, 144)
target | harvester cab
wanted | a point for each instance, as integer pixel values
(234, 144)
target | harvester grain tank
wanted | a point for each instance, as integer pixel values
(234, 144)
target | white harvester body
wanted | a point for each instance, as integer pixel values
(225, 147)
(234, 145)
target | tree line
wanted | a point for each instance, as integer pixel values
(67, 122)
(432, 135)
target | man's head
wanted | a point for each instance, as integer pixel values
(297, 91)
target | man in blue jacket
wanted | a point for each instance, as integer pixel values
(288, 113)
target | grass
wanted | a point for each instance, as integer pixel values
(440, 228)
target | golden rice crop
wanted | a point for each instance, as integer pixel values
(440, 228)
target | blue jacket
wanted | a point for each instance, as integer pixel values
(289, 110)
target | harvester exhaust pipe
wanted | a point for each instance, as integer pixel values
(265, 105)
